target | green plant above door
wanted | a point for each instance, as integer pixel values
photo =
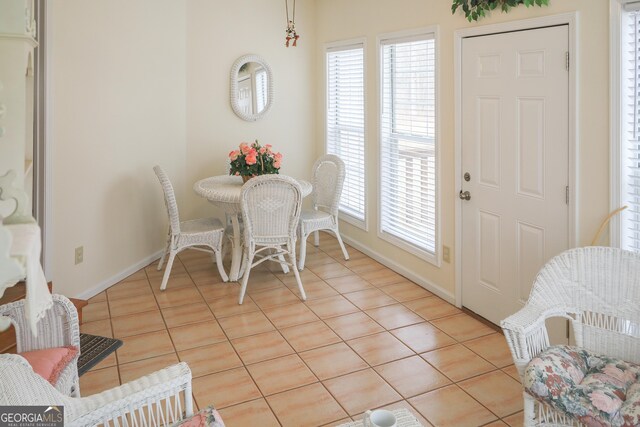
(476, 9)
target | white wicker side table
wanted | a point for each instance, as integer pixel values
(404, 418)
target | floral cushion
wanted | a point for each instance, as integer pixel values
(208, 417)
(593, 389)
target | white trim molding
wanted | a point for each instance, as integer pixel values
(615, 118)
(420, 280)
(572, 20)
(233, 93)
(46, 161)
(19, 38)
(107, 283)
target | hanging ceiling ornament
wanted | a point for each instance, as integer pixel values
(291, 25)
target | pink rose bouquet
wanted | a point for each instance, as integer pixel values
(254, 159)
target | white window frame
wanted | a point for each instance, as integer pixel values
(345, 44)
(616, 11)
(434, 32)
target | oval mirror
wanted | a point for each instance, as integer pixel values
(251, 87)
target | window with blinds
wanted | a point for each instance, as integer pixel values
(408, 161)
(630, 132)
(345, 124)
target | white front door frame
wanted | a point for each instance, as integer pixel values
(570, 19)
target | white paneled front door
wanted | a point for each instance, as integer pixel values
(515, 145)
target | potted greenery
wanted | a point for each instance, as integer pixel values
(475, 9)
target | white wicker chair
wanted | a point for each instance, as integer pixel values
(153, 400)
(194, 234)
(328, 179)
(598, 290)
(58, 328)
(271, 207)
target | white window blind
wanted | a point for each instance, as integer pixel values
(345, 123)
(408, 190)
(630, 132)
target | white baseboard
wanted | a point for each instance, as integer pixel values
(428, 285)
(90, 293)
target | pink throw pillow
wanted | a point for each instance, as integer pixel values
(49, 363)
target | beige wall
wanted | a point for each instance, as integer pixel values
(341, 20)
(117, 108)
(219, 32)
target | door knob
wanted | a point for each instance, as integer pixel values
(465, 195)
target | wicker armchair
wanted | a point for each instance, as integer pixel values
(194, 234)
(328, 179)
(598, 290)
(271, 207)
(58, 328)
(153, 400)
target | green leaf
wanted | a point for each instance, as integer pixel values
(475, 9)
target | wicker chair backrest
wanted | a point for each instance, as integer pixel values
(271, 207)
(601, 286)
(328, 180)
(169, 199)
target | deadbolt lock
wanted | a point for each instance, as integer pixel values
(467, 177)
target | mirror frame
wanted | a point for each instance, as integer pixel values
(234, 87)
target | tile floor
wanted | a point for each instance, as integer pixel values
(365, 338)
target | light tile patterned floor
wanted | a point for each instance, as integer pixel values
(365, 338)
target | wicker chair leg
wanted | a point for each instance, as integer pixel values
(292, 255)
(344, 249)
(316, 238)
(245, 277)
(162, 258)
(529, 410)
(188, 400)
(223, 273)
(283, 263)
(303, 250)
(167, 271)
(164, 254)
(166, 251)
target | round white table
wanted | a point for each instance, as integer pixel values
(224, 191)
